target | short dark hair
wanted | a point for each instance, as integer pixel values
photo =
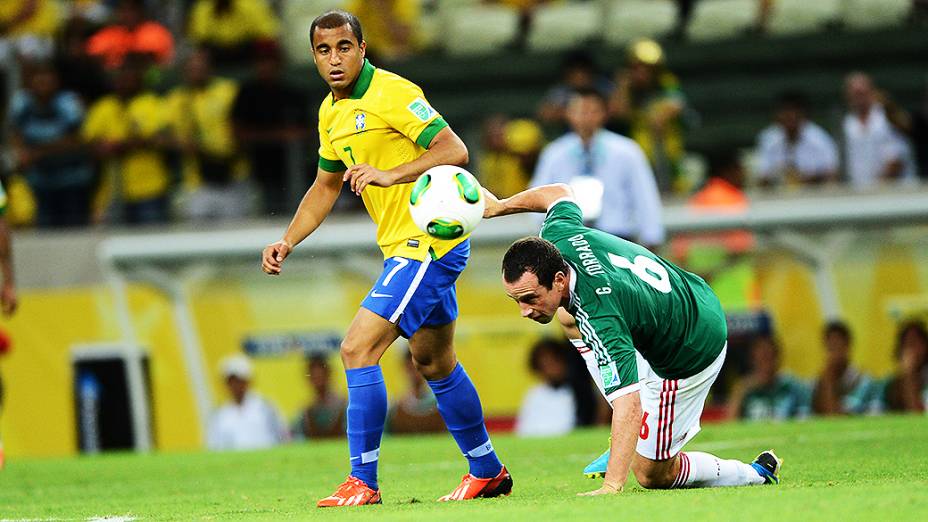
(793, 99)
(549, 345)
(590, 92)
(336, 18)
(317, 360)
(535, 255)
(839, 327)
(911, 325)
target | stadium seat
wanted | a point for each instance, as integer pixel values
(867, 14)
(791, 17)
(478, 29)
(627, 20)
(296, 17)
(721, 19)
(563, 26)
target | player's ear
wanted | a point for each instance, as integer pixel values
(363, 48)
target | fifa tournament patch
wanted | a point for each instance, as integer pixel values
(421, 109)
(359, 121)
(610, 375)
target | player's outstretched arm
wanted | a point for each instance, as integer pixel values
(626, 422)
(536, 199)
(313, 209)
(446, 148)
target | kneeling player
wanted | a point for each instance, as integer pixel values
(658, 333)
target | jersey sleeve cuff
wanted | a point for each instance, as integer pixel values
(558, 200)
(331, 165)
(428, 133)
(631, 388)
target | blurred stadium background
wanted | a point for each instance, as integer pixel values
(130, 301)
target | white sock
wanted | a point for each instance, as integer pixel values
(702, 470)
(591, 365)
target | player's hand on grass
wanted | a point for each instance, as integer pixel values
(274, 255)
(362, 175)
(605, 490)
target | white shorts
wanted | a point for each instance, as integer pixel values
(672, 408)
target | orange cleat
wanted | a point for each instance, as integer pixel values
(352, 492)
(473, 487)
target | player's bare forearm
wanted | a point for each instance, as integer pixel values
(446, 148)
(315, 207)
(626, 423)
(536, 199)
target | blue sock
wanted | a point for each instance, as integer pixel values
(367, 413)
(459, 405)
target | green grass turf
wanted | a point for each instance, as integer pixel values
(837, 469)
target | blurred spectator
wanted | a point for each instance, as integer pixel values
(79, 72)
(45, 122)
(841, 388)
(389, 26)
(27, 28)
(548, 408)
(610, 175)
(578, 71)
(132, 33)
(270, 117)
(648, 100)
(201, 125)
(526, 9)
(725, 258)
(128, 131)
(508, 155)
(325, 417)
(907, 390)
(248, 421)
(417, 411)
(766, 393)
(793, 150)
(230, 28)
(875, 151)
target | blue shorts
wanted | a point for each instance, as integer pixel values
(412, 294)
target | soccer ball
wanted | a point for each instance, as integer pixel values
(446, 202)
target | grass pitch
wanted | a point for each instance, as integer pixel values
(835, 469)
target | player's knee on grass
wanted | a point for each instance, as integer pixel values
(654, 474)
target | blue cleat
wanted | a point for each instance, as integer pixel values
(597, 468)
(768, 465)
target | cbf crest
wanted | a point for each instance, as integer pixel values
(360, 121)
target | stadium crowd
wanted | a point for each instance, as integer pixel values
(116, 113)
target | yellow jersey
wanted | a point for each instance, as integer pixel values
(143, 172)
(385, 122)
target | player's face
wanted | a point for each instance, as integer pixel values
(536, 302)
(338, 56)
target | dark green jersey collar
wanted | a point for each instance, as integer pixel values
(363, 82)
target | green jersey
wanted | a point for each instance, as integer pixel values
(625, 298)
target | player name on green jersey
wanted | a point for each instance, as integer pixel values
(625, 298)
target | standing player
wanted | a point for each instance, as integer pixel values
(658, 333)
(379, 133)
